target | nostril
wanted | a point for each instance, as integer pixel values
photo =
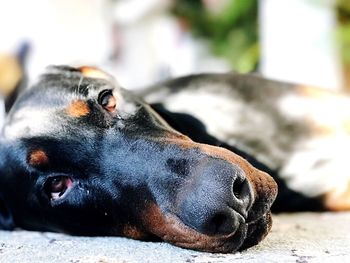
(242, 196)
(218, 221)
(223, 224)
(238, 188)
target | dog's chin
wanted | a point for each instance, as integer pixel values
(246, 236)
(257, 231)
(171, 229)
(215, 244)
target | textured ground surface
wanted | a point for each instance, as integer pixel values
(297, 238)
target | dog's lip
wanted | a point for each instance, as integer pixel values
(256, 233)
(229, 243)
(170, 228)
(265, 192)
(216, 243)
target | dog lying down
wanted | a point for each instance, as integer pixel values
(187, 161)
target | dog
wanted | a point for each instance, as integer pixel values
(186, 161)
(81, 155)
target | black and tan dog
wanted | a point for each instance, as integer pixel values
(83, 156)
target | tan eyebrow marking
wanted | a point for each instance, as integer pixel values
(78, 108)
(91, 72)
(38, 157)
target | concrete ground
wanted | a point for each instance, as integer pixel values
(301, 238)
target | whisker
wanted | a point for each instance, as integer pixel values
(80, 81)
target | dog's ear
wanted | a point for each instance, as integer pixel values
(6, 220)
(13, 79)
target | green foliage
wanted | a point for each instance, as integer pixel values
(232, 32)
(343, 30)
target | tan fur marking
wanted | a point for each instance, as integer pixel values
(92, 72)
(322, 130)
(133, 232)
(338, 201)
(315, 92)
(10, 74)
(37, 158)
(172, 230)
(78, 108)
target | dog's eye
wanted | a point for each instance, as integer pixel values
(57, 186)
(107, 100)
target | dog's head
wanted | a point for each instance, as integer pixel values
(82, 156)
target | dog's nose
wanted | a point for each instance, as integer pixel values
(216, 198)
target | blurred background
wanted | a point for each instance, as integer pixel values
(144, 41)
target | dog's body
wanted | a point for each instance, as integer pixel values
(83, 156)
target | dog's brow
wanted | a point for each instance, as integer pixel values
(37, 158)
(78, 108)
(91, 72)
